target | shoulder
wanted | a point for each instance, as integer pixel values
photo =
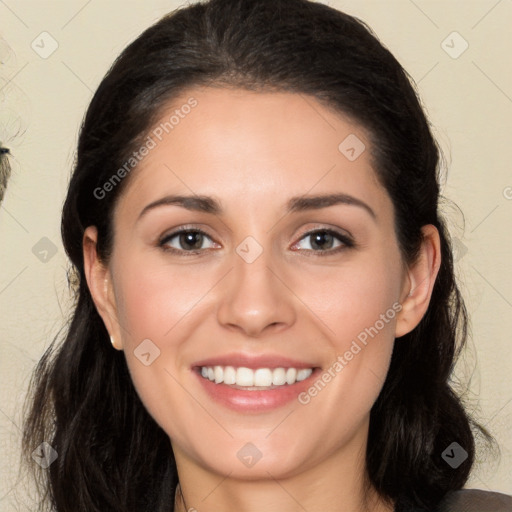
(475, 500)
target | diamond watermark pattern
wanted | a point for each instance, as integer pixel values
(454, 45)
(44, 45)
(249, 249)
(454, 455)
(146, 352)
(352, 147)
(44, 455)
(44, 250)
(249, 455)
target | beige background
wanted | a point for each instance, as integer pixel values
(468, 99)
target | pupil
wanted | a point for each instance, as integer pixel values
(192, 239)
(320, 238)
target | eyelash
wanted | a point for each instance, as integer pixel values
(347, 242)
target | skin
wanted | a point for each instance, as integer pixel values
(253, 152)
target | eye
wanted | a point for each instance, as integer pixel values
(192, 241)
(185, 240)
(325, 240)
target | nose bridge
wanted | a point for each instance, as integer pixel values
(253, 266)
(254, 297)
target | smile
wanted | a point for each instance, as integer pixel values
(254, 379)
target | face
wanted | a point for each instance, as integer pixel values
(295, 301)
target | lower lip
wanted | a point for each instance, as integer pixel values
(255, 401)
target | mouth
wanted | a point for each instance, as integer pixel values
(254, 384)
(249, 379)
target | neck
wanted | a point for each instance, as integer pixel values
(336, 485)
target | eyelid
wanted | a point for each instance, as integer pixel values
(326, 227)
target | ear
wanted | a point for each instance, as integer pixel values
(99, 281)
(418, 285)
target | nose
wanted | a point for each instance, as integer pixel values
(255, 298)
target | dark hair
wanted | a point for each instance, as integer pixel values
(5, 170)
(112, 455)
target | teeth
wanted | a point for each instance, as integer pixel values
(279, 377)
(244, 377)
(218, 372)
(303, 374)
(261, 377)
(291, 375)
(229, 375)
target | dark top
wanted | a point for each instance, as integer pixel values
(475, 500)
(470, 500)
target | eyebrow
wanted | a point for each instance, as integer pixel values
(295, 204)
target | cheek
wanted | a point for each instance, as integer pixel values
(152, 300)
(353, 298)
(153, 307)
(358, 307)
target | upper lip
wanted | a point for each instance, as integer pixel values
(253, 361)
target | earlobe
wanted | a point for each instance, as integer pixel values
(99, 282)
(418, 286)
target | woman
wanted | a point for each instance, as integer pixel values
(253, 223)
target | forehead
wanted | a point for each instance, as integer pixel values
(257, 146)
